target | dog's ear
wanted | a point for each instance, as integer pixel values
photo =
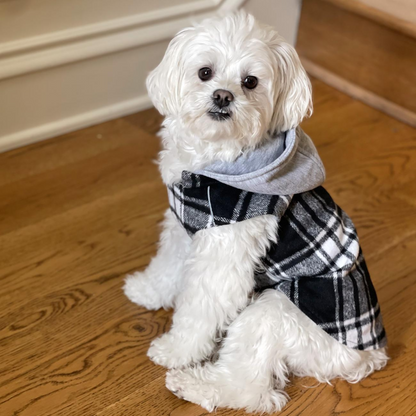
(164, 82)
(293, 91)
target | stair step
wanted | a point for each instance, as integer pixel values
(362, 51)
(399, 15)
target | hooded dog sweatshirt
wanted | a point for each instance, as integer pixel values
(317, 261)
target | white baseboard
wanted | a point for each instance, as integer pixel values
(42, 42)
(62, 81)
(59, 82)
(79, 121)
(73, 45)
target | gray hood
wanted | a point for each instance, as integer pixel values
(287, 164)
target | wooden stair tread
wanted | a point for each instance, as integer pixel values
(402, 9)
(400, 18)
(358, 46)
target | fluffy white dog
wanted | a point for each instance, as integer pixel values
(253, 253)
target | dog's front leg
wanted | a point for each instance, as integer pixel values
(158, 285)
(219, 277)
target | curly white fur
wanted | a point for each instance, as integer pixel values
(209, 279)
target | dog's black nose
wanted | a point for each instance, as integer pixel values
(222, 98)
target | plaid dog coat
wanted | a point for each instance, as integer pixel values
(317, 261)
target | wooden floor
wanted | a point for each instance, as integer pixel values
(80, 211)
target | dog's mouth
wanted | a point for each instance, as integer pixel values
(220, 115)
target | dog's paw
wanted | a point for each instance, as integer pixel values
(139, 290)
(169, 352)
(201, 386)
(187, 385)
(270, 401)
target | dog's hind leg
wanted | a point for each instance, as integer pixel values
(158, 285)
(250, 371)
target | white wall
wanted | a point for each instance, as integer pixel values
(282, 14)
(69, 64)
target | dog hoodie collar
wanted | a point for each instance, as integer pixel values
(285, 165)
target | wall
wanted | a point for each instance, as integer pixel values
(66, 65)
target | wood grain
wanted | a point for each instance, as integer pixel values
(359, 93)
(362, 51)
(80, 211)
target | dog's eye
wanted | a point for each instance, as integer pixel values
(250, 82)
(205, 74)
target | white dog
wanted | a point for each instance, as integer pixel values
(253, 251)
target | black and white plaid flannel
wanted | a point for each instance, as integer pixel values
(317, 262)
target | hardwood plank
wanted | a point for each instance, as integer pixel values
(79, 146)
(77, 213)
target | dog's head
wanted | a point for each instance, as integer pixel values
(231, 78)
